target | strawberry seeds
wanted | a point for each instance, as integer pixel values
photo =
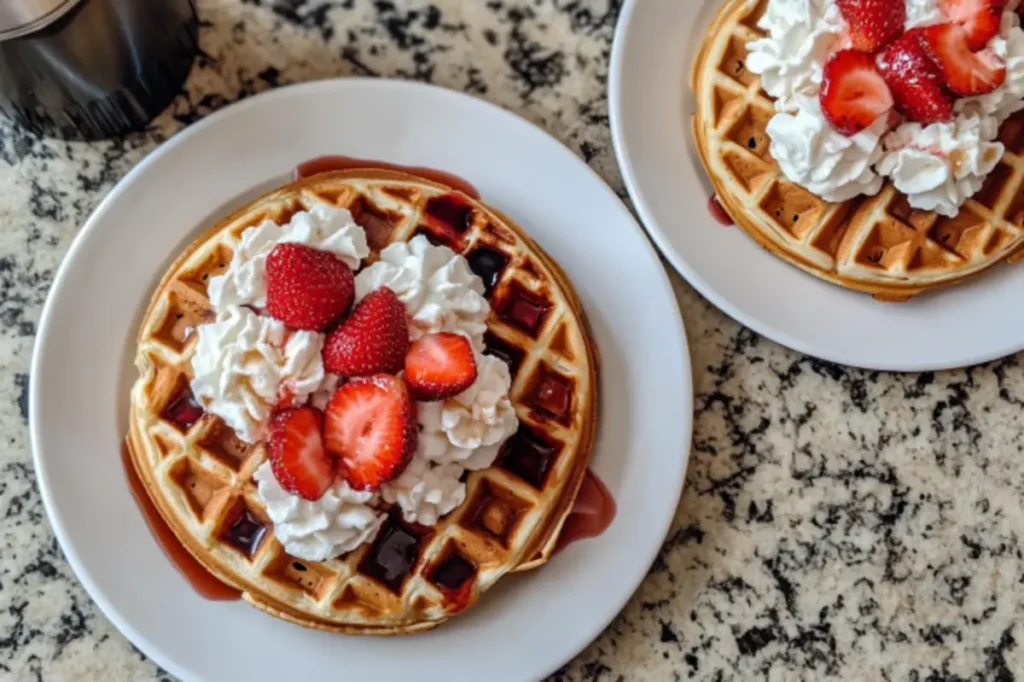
(918, 73)
(368, 431)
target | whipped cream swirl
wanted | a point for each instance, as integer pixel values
(438, 289)
(323, 227)
(316, 530)
(802, 34)
(943, 164)
(244, 364)
(813, 154)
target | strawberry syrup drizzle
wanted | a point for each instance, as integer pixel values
(326, 164)
(719, 213)
(592, 512)
(203, 582)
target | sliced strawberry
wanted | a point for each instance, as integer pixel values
(966, 73)
(873, 24)
(439, 366)
(980, 19)
(370, 426)
(307, 288)
(373, 340)
(915, 81)
(297, 456)
(853, 93)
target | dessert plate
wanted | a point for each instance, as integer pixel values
(530, 624)
(650, 106)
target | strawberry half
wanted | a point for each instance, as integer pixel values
(307, 288)
(297, 456)
(853, 93)
(370, 426)
(980, 19)
(373, 340)
(966, 73)
(439, 366)
(873, 24)
(915, 81)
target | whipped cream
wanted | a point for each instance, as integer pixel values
(323, 227)
(943, 164)
(438, 289)
(923, 13)
(244, 364)
(425, 492)
(813, 154)
(316, 530)
(938, 167)
(802, 34)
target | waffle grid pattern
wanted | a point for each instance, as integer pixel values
(876, 244)
(200, 475)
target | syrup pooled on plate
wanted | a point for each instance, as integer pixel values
(592, 512)
(203, 582)
(719, 213)
(326, 164)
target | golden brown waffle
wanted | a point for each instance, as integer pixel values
(200, 475)
(874, 244)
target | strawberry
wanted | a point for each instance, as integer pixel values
(980, 19)
(966, 73)
(914, 80)
(307, 288)
(374, 339)
(853, 93)
(370, 426)
(873, 24)
(297, 456)
(439, 366)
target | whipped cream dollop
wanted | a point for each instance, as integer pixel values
(323, 227)
(943, 164)
(316, 530)
(439, 290)
(425, 491)
(802, 34)
(813, 154)
(923, 13)
(244, 364)
(938, 166)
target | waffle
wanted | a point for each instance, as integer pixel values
(878, 245)
(199, 474)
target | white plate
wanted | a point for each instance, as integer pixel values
(650, 106)
(529, 625)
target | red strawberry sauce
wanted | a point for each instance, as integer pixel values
(203, 582)
(718, 213)
(326, 164)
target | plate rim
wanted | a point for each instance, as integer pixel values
(675, 257)
(675, 325)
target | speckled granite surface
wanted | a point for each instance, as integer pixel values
(836, 524)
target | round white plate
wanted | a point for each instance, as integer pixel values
(528, 625)
(650, 106)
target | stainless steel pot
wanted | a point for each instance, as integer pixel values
(90, 69)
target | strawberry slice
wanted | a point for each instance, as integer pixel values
(873, 24)
(915, 81)
(853, 93)
(980, 19)
(439, 366)
(373, 340)
(307, 288)
(297, 456)
(966, 73)
(370, 426)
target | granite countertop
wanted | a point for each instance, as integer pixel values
(836, 524)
